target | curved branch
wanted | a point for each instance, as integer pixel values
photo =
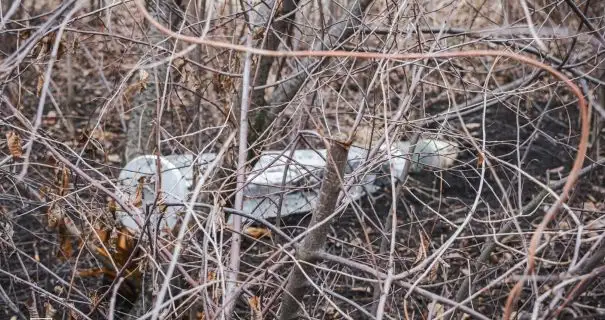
(582, 106)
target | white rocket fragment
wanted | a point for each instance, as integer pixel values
(284, 179)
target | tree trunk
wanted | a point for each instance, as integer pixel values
(316, 238)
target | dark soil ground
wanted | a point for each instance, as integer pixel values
(545, 134)
(451, 193)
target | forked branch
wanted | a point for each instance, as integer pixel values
(320, 226)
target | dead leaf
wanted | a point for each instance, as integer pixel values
(44, 191)
(112, 207)
(91, 272)
(222, 83)
(257, 233)
(65, 245)
(433, 273)
(137, 87)
(590, 206)
(258, 34)
(73, 315)
(71, 227)
(36, 252)
(254, 303)
(143, 78)
(14, 144)
(64, 181)
(49, 310)
(103, 232)
(422, 248)
(180, 65)
(54, 216)
(45, 46)
(480, 159)
(438, 311)
(23, 35)
(138, 198)
(62, 49)
(40, 84)
(124, 246)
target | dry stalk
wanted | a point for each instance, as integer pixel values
(320, 224)
(582, 146)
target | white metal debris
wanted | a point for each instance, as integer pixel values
(289, 180)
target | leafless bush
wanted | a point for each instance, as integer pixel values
(512, 229)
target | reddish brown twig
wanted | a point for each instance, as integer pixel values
(582, 146)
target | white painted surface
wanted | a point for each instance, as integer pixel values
(291, 179)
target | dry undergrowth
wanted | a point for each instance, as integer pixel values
(62, 253)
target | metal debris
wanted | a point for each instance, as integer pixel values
(286, 180)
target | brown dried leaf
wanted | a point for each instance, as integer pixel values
(124, 246)
(90, 272)
(71, 227)
(43, 46)
(36, 253)
(40, 84)
(422, 248)
(73, 315)
(44, 191)
(480, 159)
(122, 242)
(222, 83)
(254, 303)
(49, 310)
(138, 197)
(258, 33)
(64, 181)
(62, 49)
(14, 144)
(23, 35)
(102, 252)
(137, 87)
(103, 232)
(433, 273)
(180, 65)
(112, 207)
(55, 217)
(258, 233)
(66, 248)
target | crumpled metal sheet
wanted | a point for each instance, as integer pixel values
(292, 183)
